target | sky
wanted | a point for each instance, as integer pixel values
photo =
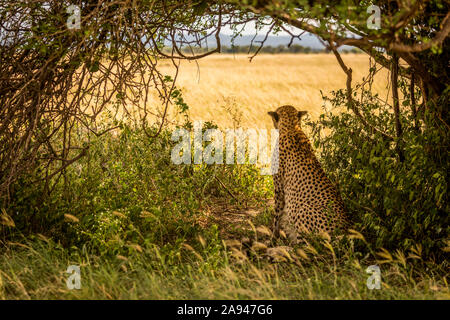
(307, 39)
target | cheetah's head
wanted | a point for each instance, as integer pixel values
(286, 117)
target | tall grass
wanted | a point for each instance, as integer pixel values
(36, 270)
(140, 227)
(213, 84)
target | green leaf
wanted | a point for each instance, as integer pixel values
(94, 67)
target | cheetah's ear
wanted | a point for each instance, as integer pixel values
(300, 114)
(274, 115)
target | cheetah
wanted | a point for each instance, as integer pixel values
(305, 199)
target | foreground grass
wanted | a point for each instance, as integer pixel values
(140, 227)
(37, 270)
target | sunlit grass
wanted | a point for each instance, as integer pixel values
(218, 83)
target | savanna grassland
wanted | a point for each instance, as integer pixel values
(219, 85)
(141, 227)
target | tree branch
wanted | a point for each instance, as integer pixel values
(418, 47)
(350, 101)
(396, 105)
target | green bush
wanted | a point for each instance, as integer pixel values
(397, 204)
(126, 191)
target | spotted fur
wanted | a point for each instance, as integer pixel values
(305, 199)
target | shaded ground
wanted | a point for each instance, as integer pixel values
(237, 222)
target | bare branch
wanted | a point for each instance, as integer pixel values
(350, 100)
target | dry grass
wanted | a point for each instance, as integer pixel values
(215, 86)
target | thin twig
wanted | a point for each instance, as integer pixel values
(350, 100)
(225, 187)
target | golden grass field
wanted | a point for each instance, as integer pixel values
(217, 86)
